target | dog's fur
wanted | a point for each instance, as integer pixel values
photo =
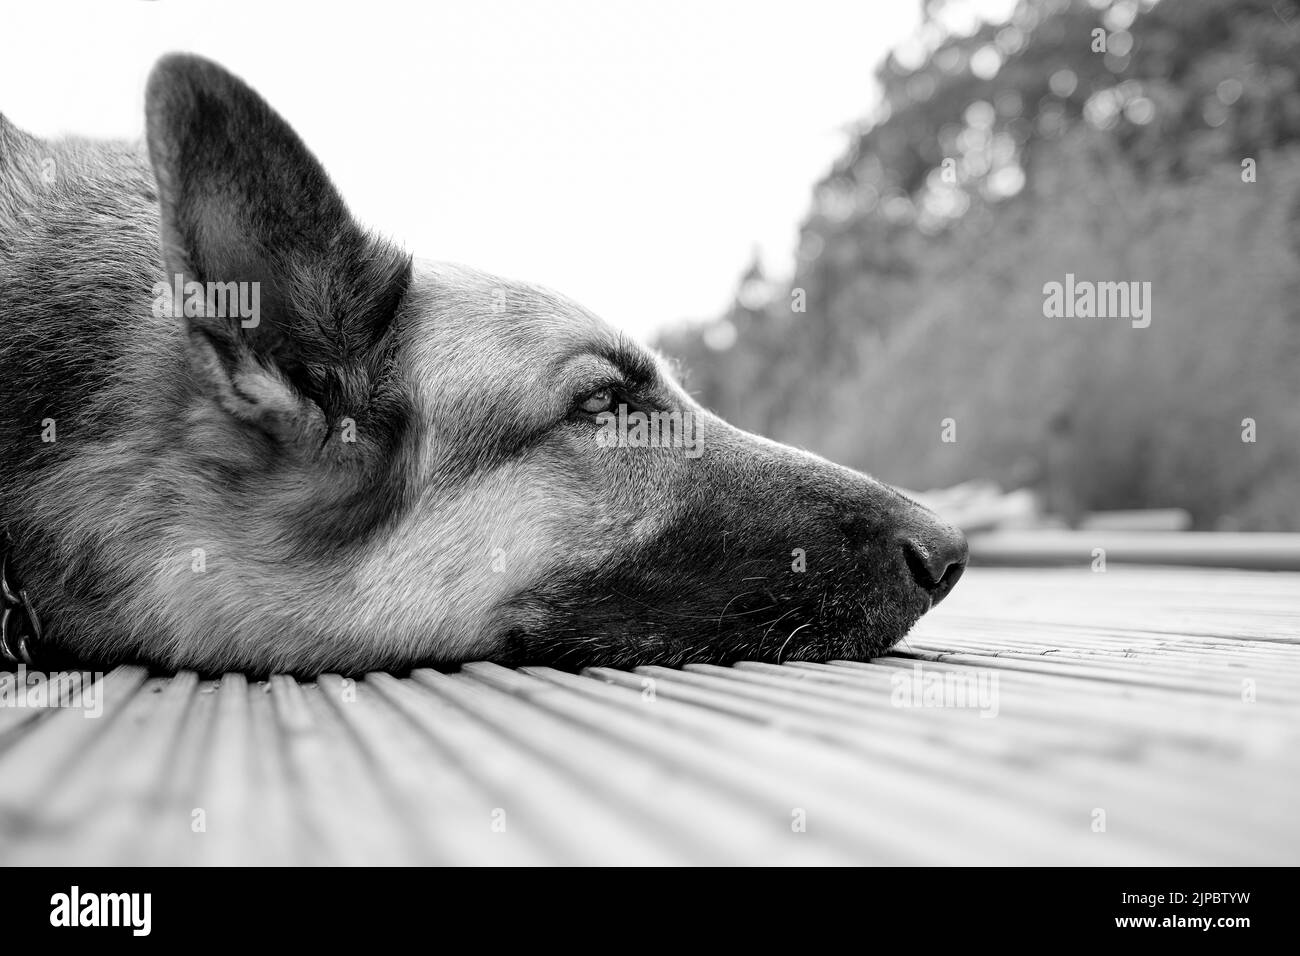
(474, 515)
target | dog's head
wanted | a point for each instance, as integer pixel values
(397, 461)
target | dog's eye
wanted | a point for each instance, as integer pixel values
(601, 400)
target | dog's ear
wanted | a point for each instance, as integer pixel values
(243, 201)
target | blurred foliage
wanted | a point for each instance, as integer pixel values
(924, 290)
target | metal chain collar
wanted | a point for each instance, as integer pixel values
(20, 627)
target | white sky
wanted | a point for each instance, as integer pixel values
(630, 155)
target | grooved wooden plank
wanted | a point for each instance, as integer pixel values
(672, 777)
(438, 804)
(526, 793)
(228, 785)
(41, 761)
(347, 816)
(65, 775)
(173, 836)
(1081, 750)
(697, 823)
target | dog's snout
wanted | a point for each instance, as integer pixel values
(936, 558)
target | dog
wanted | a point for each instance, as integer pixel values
(238, 431)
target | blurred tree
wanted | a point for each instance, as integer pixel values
(999, 161)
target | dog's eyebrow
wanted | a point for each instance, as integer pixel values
(637, 369)
(633, 363)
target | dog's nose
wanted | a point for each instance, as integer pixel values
(936, 559)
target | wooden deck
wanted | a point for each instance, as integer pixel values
(1141, 715)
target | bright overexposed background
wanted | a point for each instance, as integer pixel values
(632, 155)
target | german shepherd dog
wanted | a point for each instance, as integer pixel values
(375, 461)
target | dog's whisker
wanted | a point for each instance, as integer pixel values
(790, 638)
(723, 614)
(758, 652)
